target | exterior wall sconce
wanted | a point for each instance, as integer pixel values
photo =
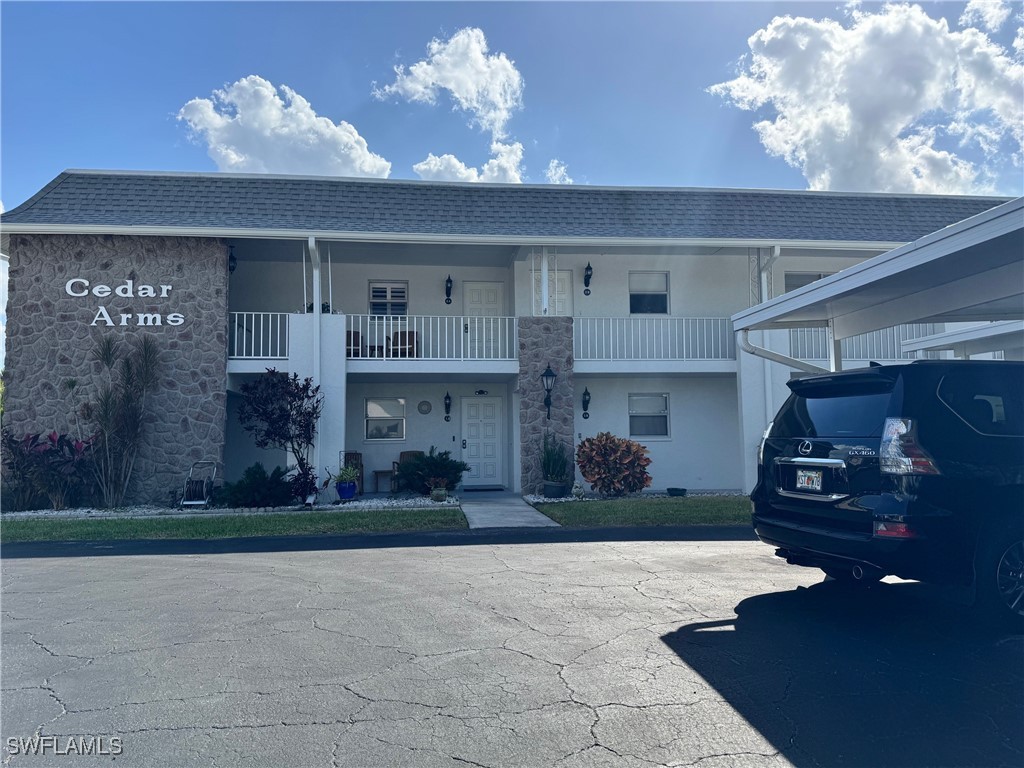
(448, 290)
(232, 261)
(447, 407)
(548, 380)
(586, 403)
(588, 275)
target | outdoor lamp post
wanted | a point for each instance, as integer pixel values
(548, 379)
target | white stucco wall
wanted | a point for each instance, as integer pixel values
(423, 431)
(702, 451)
(699, 286)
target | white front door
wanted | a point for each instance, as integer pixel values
(559, 292)
(482, 300)
(482, 446)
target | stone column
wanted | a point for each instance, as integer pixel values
(544, 341)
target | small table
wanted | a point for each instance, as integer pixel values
(377, 475)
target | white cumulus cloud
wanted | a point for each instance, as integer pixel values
(251, 126)
(558, 173)
(989, 14)
(487, 86)
(504, 167)
(885, 103)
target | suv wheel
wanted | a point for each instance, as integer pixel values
(999, 575)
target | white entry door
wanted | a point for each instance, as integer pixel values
(482, 300)
(482, 445)
(559, 292)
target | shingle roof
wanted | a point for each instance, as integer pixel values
(193, 201)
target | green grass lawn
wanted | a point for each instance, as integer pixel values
(228, 526)
(692, 510)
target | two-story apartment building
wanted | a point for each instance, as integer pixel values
(428, 312)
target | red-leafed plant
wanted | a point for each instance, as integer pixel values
(613, 465)
(54, 465)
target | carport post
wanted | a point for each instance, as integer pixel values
(835, 349)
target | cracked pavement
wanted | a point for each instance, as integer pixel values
(710, 653)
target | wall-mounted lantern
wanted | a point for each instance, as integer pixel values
(548, 380)
(447, 407)
(586, 403)
(588, 275)
(448, 290)
(232, 261)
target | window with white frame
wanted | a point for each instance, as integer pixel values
(648, 293)
(389, 297)
(648, 415)
(385, 418)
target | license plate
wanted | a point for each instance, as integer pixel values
(808, 479)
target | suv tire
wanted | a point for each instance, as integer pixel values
(999, 576)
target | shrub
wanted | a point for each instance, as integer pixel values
(257, 489)
(55, 466)
(418, 473)
(554, 459)
(613, 465)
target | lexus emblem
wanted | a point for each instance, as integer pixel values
(805, 448)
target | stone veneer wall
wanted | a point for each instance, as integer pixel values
(544, 341)
(50, 340)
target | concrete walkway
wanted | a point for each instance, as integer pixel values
(501, 509)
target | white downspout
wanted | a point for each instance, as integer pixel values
(743, 342)
(314, 258)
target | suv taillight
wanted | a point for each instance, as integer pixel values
(764, 438)
(901, 454)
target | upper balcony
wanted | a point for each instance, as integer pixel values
(376, 343)
(431, 344)
(651, 344)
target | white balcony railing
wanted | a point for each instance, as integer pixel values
(812, 343)
(258, 335)
(653, 338)
(392, 337)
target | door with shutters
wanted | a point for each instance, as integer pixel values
(482, 444)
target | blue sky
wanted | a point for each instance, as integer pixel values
(614, 94)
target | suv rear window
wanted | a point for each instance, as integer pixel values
(834, 414)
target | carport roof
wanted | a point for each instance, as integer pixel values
(971, 271)
(246, 205)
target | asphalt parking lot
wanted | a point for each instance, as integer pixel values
(475, 652)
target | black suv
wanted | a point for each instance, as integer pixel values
(912, 470)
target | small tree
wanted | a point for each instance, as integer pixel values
(118, 414)
(281, 412)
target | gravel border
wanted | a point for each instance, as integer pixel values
(147, 511)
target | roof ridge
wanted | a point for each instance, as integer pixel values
(574, 188)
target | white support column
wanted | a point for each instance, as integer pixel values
(835, 349)
(314, 258)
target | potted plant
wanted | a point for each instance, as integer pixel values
(345, 482)
(438, 488)
(554, 463)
